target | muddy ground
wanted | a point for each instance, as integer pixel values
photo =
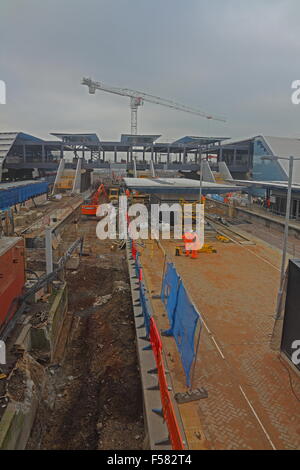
(93, 397)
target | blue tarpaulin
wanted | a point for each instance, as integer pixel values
(184, 327)
(11, 196)
(183, 318)
(170, 290)
(146, 308)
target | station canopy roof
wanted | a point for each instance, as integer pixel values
(78, 139)
(268, 184)
(8, 139)
(139, 139)
(193, 140)
(178, 186)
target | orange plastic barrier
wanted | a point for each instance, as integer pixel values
(133, 250)
(168, 410)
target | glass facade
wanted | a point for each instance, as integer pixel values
(265, 170)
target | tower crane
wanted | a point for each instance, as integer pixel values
(137, 99)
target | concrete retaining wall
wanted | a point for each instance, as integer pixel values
(46, 338)
(18, 418)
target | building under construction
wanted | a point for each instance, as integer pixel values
(148, 342)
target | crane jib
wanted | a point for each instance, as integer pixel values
(137, 99)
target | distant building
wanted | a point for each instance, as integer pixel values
(246, 159)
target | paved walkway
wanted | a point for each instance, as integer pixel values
(254, 395)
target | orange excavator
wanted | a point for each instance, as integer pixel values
(91, 205)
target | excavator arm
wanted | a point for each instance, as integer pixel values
(91, 208)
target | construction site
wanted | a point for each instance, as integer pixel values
(149, 279)
(146, 342)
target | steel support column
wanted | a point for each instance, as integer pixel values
(234, 156)
(43, 153)
(49, 255)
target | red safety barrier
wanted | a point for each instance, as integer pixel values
(140, 274)
(155, 341)
(133, 250)
(168, 410)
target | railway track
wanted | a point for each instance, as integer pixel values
(233, 235)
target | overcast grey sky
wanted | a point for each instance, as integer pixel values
(231, 57)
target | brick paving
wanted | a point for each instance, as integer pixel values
(251, 404)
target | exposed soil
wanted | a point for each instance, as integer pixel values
(17, 385)
(93, 399)
(12, 384)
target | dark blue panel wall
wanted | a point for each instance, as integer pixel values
(12, 196)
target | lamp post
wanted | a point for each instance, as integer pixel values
(285, 237)
(291, 160)
(201, 177)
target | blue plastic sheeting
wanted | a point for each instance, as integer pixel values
(145, 308)
(137, 265)
(183, 317)
(216, 197)
(12, 196)
(185, 322)
(169, 291)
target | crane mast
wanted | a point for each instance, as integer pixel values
(134, 104)
(137, 99)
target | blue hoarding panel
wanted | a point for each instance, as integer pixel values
(12, 196)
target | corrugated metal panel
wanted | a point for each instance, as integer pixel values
(15, 195)
(6, 141)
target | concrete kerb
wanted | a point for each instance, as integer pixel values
(155, 427)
